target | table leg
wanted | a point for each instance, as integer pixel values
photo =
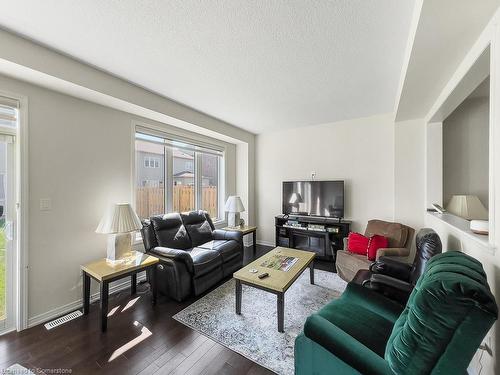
(133, 284)
(311, 272)
(86, 293)
(281, 312)
(154, 284)
(254, 244)
(104, 305)
(238, 297)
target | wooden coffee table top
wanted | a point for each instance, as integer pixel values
(277, 280)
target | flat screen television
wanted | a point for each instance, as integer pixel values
(313, 198)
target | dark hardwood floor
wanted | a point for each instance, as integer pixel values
(140, 340)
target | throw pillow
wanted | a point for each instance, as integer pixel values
(376, 242)
(357, 243)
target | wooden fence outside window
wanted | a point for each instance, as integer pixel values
(150, 200)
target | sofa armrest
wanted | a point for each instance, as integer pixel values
(393, 252)
(390, 287)
(344, 346)
(221, 234)
(390, 267)
(175, 255)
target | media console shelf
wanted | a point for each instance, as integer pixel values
(321, 235)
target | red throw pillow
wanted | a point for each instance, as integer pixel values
(376, 242)
(357, 243)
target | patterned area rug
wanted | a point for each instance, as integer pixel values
(254, 334)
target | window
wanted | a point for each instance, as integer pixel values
(150, 194)
(151, 162)
(173, 175)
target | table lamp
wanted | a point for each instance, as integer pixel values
(234, 206)
(119, 222)
(467, 206)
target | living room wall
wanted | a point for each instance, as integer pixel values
(80, 156)
(359, 151)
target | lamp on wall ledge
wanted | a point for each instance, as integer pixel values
(234, 206)
(467, 206)
(119, 222)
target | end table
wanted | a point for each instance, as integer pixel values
(105, 271)
(246, 229)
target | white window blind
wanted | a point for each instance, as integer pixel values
(179, 142)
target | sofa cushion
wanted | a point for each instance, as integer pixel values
(354, 314)
(170, 232)
(198, 226)
(395, 233)
(376, 242)
(204, 260)
(348, 264)
(450, 307)
(227, 249)
(357, 243)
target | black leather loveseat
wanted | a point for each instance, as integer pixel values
(193, 254)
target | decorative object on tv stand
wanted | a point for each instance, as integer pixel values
(467, 206)
(119, 222)
(234, 206)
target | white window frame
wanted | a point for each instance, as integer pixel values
(19, 263)
(168, 166)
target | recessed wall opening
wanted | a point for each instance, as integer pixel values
(458, 151)
(466, 156)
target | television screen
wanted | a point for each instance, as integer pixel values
(315, 198)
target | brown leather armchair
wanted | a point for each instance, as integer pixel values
(400, 239)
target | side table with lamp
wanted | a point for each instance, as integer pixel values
(233, 207)
(120, 223)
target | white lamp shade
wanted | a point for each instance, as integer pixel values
(234, 204)
(467, 206)
(120, 218)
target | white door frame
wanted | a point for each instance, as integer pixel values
(20, 253)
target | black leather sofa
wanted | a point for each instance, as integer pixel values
(194, 255)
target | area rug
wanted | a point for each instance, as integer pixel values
(254, 334)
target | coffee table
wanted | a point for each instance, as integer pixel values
(278, 281)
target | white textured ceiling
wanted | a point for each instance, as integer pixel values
(260, 65)
(446, 31)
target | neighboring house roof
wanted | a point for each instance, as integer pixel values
(154, 148)
(184, 174)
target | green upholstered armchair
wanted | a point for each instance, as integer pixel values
(438, 331)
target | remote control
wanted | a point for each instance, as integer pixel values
(439, 209)
(264, 275)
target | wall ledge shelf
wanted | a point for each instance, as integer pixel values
(462, 226)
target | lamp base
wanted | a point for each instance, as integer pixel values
(119, 246)
(233, 219)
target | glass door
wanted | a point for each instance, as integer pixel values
(7, 225)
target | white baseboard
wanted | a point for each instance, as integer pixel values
(76, 305)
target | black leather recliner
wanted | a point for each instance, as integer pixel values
(395, 279)
(194, 255)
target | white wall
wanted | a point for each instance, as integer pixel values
(360, 151)
(409, 166)
(80, 156)
(466, 151)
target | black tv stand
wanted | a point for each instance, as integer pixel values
(321, 235)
